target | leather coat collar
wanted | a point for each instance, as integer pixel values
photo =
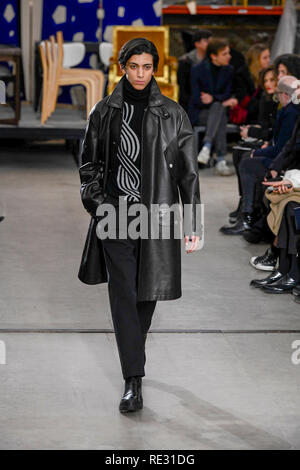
(115, 100)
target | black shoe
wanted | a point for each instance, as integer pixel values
(1, 218)
(242, 224)
(282, 286)
(233, 216)
(296, 290)
(254, 235)
(132, 399)
(297, 299)
(266, 262)
(274, 277)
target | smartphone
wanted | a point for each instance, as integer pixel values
(274, 189)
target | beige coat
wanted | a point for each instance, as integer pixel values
(278, 203)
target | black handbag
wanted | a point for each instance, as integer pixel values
(91, 189)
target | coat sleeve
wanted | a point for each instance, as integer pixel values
(284, 134)
(188, 181)
(196, 87)
(90, 141)
(225, 94)
(293, 176)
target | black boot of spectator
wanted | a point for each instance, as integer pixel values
(233, 216)
(242, 224)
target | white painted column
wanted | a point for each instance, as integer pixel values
(31, 31)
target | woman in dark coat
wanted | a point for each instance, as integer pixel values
(144, 142)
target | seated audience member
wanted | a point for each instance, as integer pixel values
(211, 82)
(253, 168)
(267, 108)
(287, 64)
(260, 231)
(281, 219)
(258, 58)
(287, 160)
(242, 89)
(185, 63)
(263, 128)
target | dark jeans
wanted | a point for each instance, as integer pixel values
(237, 157)
(215, 121)
(251, 170)
(131, 319)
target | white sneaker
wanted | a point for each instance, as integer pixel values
(222, 169)
(204, 155)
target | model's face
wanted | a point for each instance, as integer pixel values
(282, 71)
(222, 58)
(139, 70)
(201, 45)
(265, 59)
(270, 82)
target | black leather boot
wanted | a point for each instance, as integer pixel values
(132, 399)
(233, 216)
(273, 277)
(242, 224)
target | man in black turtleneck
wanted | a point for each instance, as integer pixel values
(125, 171)
(145, 143)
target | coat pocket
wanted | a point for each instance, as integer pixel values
(164, 217)
(171, 154)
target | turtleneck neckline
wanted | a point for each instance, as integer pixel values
(136, 95)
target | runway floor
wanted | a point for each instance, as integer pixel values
(219, 371)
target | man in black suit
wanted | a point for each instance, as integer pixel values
(211, 82)
(186, 62)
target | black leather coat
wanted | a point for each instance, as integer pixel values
(168, 164)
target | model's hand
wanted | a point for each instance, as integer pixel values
(265, 145)
(194, 244)
(280, 186)
(206, 98)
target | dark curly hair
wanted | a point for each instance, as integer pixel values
(291, 62)
(138, 46)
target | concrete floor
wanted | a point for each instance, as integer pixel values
(231, 386)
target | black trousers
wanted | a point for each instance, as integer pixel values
(237, 156)
(251, 171)
(131, 319)
(288, 235)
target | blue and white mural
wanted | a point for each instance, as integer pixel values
(77, 19)
(130, 12)
(9, 16)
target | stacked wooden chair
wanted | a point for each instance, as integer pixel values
(166, 75)
(56, 75)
